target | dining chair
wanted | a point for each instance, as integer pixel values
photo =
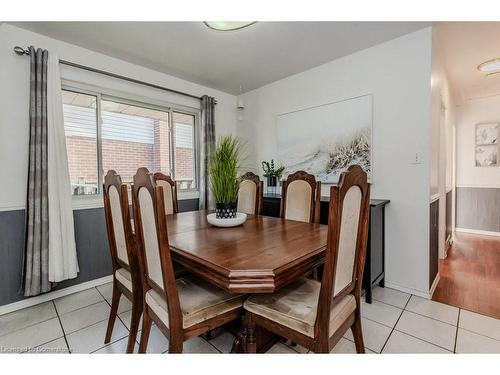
(169, 192)
(181, 308)
(250, 194)
(300, 198)
(126, 275)
(317, 314)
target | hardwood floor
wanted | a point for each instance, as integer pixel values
(470, 276)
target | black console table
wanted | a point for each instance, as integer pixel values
(375, 252)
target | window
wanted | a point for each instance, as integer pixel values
(184, 150)
(80, 125)
(122, 135)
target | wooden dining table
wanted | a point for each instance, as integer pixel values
(260, 256)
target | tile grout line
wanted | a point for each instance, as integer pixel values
(30, 325)
(390, 304)
(479, 334)
(395, 324)
(425, 316)
(93, 324)
(110, 343)
(456, 332)
(60, 323)
(102, 295)
(81, 308)
(421, 339)
(453, 325)
(475, 312)
(95, 303)
(62, 327)
(404, 309)
(208, 342)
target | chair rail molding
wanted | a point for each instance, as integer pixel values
(12, 207)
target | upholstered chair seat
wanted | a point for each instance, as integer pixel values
(199, 301)
(124, 277)
(296, 305)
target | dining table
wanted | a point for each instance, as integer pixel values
(260, 256)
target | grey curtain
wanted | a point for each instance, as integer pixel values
(207, 136)
(36, 256)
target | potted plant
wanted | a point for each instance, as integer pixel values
(224, 180)
(271, 173)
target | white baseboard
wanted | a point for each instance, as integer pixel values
(475, 231)
(404, 289)
(32, 301)
(434, 285)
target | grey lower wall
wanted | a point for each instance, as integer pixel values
(91, 243)
(478, 208)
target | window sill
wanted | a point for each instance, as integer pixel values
(95, 201)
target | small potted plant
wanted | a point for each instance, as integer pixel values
(272, 174)
(224, 180)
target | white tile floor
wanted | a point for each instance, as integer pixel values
(395, 322)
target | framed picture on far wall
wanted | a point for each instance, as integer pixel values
(486, 153)
(487, 133)
(487, 156)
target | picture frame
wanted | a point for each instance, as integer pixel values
(487, 133)
(486, 144)
(486, 156)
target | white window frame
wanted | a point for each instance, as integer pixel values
(96, 200)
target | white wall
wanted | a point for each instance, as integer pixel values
(14, 96)
(397, 73)
(443, 122)
(468, 115)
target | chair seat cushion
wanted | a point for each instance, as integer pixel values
(295, 306)
(199, 301)
(124, 277)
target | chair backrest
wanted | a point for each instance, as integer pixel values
(118, 225)
(154, 252)
(347, 239)
(250, 194)
(169, 192)
(300, 197)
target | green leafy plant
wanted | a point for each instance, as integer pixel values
(270, 171)
(224, 165)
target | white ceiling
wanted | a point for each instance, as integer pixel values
(251, 57)
(465, 45)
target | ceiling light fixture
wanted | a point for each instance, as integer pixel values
(490, 67)
(228, 25)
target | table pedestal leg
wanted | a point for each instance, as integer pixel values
(263, 338)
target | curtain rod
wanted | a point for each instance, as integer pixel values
(21, 51)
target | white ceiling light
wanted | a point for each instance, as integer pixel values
(490, 66)
(228, 25)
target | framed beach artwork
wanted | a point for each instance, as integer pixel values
(325, 140)
(486, 152)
